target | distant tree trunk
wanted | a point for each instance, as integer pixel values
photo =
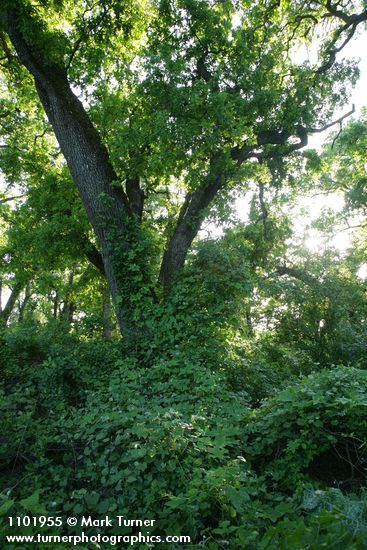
(67, 311)
(55, 304)
(249, 319)
(23, 304)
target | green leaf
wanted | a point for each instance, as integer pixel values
(32, 504)
(6, 506)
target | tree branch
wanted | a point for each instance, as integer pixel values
(83, 37)
(331, 124)
(281, 137)
(7, 199)
(93, 255)
(348, 19)
(191, 215)
(301, 275)
(350, 22)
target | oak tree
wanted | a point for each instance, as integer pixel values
(161, 108)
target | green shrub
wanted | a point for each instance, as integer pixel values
(316, 429)
(94, 432)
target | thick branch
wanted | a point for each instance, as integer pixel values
(270, 137)
(280, 138)
(351, 23)
(331, 124)
(8, 199)
(303, 276)
(188, 224)
(192, 211)
(93, 255)
(355, 18)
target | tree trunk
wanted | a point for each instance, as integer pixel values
(188, 224)
(249, 319)
(55, 305)
(67, 311)
(23, 304)
(106, 203)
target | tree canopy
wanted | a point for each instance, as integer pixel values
(160, 110)
(172, 345)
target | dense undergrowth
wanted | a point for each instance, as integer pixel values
(88, 429)
(182, 330)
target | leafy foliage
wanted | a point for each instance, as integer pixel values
(174, 442)
(310, 430)
(233, 408)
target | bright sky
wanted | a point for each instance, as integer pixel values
(310, 208)
(357, 49)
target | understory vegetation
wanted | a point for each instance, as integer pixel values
(246, 445)
(183, 329)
